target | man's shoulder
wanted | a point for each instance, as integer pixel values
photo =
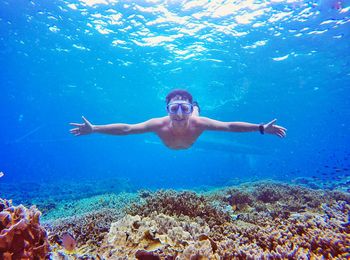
(199, 120)
(158, 121)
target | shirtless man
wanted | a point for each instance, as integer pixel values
(181, 127)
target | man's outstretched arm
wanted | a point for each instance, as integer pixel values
(112, 129)
(269, 128)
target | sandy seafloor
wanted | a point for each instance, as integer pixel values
(109, 220)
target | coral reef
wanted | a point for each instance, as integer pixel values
(50, 196)
(88, 230)
(157, 235)
(21, 235)
(263, 220)
(180, 204)
(72, 208)
(258, 221)
(329, 178)
(301, 236)
(275, 199)
(93, 219)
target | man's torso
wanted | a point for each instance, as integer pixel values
(178, 139)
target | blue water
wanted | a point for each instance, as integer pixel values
(114, 61)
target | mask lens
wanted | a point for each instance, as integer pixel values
(173, 108)
(186, 108)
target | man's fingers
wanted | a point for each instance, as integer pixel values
(280, 131)
(280, 135)
(76, 124)
(74, 129)
(280, 127)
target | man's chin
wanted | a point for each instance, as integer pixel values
(179, 121)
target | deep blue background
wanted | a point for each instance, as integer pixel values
(49, 78)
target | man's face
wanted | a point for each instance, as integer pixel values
(179, 109)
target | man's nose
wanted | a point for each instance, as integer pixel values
(179, 111)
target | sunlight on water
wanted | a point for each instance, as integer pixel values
(188, 30)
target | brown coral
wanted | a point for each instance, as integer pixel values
(304, 234)
(88, 229)
(21, 235)
(158, 235)
(291, 222)
(181, 204)
(243, 222)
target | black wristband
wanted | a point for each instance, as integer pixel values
(261, 129)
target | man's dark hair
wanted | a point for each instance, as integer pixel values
(184, 94)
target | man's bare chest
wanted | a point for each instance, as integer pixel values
(178, 140)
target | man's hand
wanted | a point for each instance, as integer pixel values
(82, 129)
(271, 128)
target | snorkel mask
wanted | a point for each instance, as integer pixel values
(186, 108)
